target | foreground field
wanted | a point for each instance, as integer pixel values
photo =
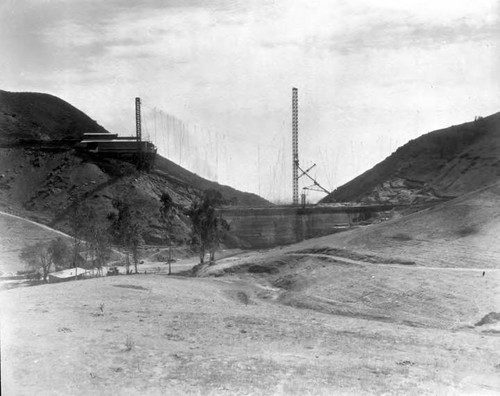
(410, 306)
(241, 334)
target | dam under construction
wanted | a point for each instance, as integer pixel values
(256, 228)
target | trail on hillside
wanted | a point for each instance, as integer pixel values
(17, 232)
(418, 267)
(35, 223)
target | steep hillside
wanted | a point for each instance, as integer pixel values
(45, 184)
(443, 163)
(39, 116)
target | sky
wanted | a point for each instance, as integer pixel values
(215, 77)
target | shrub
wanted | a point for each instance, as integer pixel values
(466, 231)
(401, 236)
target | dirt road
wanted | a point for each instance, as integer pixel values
(398, 266)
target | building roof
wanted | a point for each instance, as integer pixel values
(68, 273)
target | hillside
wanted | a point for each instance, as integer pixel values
(171, 170)
(441, 164)
(435, 268)
(39, 116)
(462, 232)
(43, 184)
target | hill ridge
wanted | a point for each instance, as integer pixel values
(441, 164)
(41, 116)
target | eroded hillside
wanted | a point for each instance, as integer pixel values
(441, 164)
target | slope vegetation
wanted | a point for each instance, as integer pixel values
(441, 164)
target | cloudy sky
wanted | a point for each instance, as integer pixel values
(371, 76)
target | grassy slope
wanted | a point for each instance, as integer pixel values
(447, 162)
(166, 335)
(459, 233)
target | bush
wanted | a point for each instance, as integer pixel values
(466, 231)
(402, 237)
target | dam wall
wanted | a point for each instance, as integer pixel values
(268, 227)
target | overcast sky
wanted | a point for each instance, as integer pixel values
(371, 76)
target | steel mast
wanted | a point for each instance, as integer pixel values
(295, 145)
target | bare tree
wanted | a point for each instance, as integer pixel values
(136, 242)
(96, 239)
(89, 230)
(37, 257)
(167, 213)
(77, 224)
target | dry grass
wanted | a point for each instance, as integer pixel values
(186, 336)
(330, 320)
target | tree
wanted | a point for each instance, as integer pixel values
(167, 215)
(208, 226)
(89, 230)
(36, 257)
(136, 241)
(77, 222)
(126, 232)
(60, 253)
(167, 204)
(96, 239)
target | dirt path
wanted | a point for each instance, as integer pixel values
(35, 223)
(418, 267)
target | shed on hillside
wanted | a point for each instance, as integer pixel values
(68, 274)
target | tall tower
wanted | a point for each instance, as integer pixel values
(138, 119)
(295, 145)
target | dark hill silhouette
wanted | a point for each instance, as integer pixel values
(441, 164)
(40, 116)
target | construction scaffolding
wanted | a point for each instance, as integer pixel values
(295, 145)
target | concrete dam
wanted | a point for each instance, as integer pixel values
(267, 227)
